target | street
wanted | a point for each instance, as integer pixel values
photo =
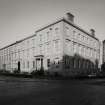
(25, 91)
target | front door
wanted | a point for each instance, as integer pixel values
(19, 66)
(39, 63)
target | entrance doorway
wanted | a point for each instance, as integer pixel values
(18, 66)
(39, 62)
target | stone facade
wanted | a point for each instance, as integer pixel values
(61, 47)
(103, 52)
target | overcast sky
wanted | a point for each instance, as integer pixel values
(20, 18)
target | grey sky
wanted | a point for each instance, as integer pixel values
(20, 18)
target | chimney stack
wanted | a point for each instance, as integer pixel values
(70, 17)
(92, 31)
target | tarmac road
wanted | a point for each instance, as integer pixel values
(24, 91)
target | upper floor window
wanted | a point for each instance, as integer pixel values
(67, 31)
(82, 38)
(48, 36)
(56, 43)
(32, 42)
(79, 36)
(95, 44)
(40, 37)
(80, 49)
(56, 31)
(91, 42)
(41, 48)
(27, 64)
(47, 48)
(87, 40)
(74, 46)
(74, 34)
(84, 50)
(91, 52)
(27, 43)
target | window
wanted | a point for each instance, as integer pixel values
(91, 42)
(95, 45)
(33, 51)
(48, 62)
(79, 63)
(35, 41)
(95, 54)
(87, 40)
(48, 36)
(68, 44)
(74, 45)
(48, 48)
(82, 38)
(27, 64)
(84, 51)
(74, 63)
(74, 34)
(40, 37)
(27, 44)
(56, 45)
(56, 30)
(91, 52)
(80, 48)
(33, 64)
(40, 49)
(67, 31)
(27, 52)
(23, 64)
(79, 37)
(32, 42)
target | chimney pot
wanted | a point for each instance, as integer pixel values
(70, 17)
(92, 32)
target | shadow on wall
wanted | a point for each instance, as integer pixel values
(74, 65)
(68, 66)
(103, 68)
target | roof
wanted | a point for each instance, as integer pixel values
(70, 23)
(46, 26)
(17, 42)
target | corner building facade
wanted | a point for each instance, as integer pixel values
(103, 61)
(60, 47)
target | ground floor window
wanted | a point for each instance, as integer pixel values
(27, 64)
(23, 64)
(74, 63)
(33, 64)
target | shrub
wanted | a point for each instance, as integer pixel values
(16, 71)
(38, 72)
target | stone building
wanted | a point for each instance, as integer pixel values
(103, 61)
(60, 47)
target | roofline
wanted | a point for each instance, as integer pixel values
(57, 21)
(74, 25)
(78, 27)
(50, 24)
(17, 42)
